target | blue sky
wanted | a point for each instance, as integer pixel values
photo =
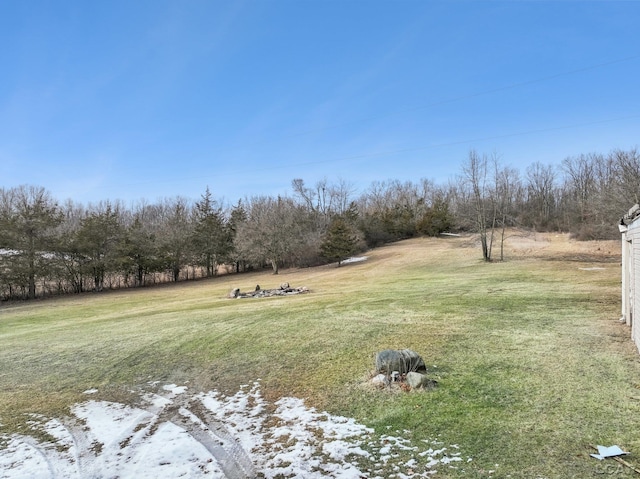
(150, 99)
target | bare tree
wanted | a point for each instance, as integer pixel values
(325, 200)
(581, 178)
(341, 195)
(507, 192)
(476, 176)
(541, 195)
(273, 231)
(625, 169)
(319, 206)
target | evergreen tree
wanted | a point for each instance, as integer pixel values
(28, 218)
(436, 219)
(99, 241)
(339, 242)
(212, 240)
(175, 237)
(140, 251)
(237, 217)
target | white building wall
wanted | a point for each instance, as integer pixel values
(631, 279)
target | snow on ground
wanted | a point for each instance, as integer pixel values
(174, 434)
(355, 259)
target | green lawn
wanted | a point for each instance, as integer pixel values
(531, 362)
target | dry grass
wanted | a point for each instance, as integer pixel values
(531, 360)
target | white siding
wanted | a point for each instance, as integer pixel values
(627, 277)
(633, 234)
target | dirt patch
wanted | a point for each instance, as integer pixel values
(560, 247)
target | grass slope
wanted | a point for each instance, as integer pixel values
(532, 363)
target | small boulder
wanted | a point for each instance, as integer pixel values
(380, 381)
(418, 380)
(403, 361)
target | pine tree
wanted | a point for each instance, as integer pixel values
(212, 239)
(339, 242)
(28, 218)
(99, 242)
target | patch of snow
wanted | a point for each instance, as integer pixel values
(156, 401)
(90, 391)
(215, 436)
(172, 388)
(355, 259)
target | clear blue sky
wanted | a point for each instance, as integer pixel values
(148, 99)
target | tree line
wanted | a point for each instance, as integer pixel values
(48, 247)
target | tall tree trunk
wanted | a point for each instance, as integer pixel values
(32, 275)
(140, 275)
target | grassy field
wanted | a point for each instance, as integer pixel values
(531, 361)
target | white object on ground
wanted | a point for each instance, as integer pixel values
(611, 451)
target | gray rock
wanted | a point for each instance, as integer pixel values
(403, 361)
(418, 380)
(380, 381)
